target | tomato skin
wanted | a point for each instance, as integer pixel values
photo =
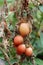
(21, 49)
(29, 51)
(24, 29)
(18, 40)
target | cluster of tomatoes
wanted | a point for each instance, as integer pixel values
(19, 40)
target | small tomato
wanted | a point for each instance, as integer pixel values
(18, 40)
(21, 49)
(29, 51)
(24, 29)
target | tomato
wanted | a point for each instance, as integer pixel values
(29, 51)
(18, 40)
(24, 29)
(21, 49)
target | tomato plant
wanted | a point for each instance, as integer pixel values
(21, 32)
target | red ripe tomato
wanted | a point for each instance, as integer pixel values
(29, 51)
(24, 29)
(18, 40)
(21, 49)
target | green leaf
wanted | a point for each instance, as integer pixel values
(2, 2)
(41, 39)
(38, 14)
(12, 17)
(0, 39)
(31, 5)
(1, 55)
(41, 8)
(38, 61)
(38, 47)
(12, 61)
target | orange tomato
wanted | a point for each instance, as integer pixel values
(29, 51)
(21, 49)
(18, 40)
(24, 29)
